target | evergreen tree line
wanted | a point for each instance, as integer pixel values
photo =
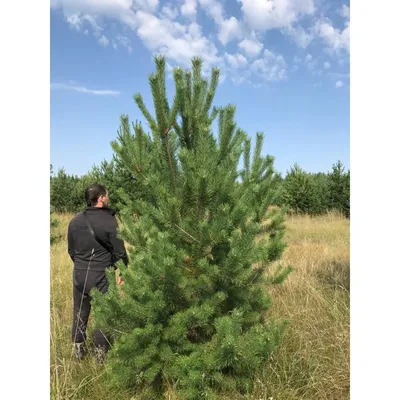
(300, 191)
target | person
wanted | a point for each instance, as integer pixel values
(94, 247)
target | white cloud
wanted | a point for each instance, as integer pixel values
(169, 11)
(299, 35)
(270, 67)
(189, 8)
(214, 8)
(239, 80)
(297, 60)
(271, 14)
(339, 84)
(311, 64)
(229, 28)
(251, 47)
(123, 41)
(222, 77)
(77, 19)
(344, 11)
(103, 41)
(148, 5)
(337, 41)
(236, 60)
(177, 42)
(117, 9)
(171, 29)
(81, 89)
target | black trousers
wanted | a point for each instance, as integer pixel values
(82, 305)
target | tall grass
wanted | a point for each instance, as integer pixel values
(313, 361)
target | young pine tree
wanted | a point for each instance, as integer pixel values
(300, 191)
(194, 308)
(339, 189)
(321, 191)
(64, 192)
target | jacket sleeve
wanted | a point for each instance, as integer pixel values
(71, 249)
(117, 244)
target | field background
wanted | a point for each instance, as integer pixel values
(312, 364)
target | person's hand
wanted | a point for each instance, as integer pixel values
(120, 281)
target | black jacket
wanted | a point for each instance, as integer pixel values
(81, 242)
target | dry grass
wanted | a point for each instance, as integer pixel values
(313, 361)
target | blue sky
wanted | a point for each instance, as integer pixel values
(284, 64)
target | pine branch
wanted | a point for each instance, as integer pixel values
(226, 129)
(198, 84)
(197, 81)
(160, 68)
(179, 96)
(150, 120)
(140, 136)
(257, 161)
(185, 111)
(211, 91)
(154, 80)
(157, 83)
(214, 114)
(188, 234)
(167, 149)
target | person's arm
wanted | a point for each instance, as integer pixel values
(117, 244)
(71, 249)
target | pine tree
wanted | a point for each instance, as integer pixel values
(300, 191)
(339, 189)
(65, 195)
(321, 192)
(194, 308)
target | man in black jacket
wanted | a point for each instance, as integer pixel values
(93, 246)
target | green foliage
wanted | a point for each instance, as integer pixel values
(303, 192)
(300, 191)
(313, 194)
(339, 189)
(54, 236)
(321, 192)
(112, 178)
(66, 192)
(54, 222)
(194, 307)
(117, 176)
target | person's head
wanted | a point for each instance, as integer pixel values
(96, 196)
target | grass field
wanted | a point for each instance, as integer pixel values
(312, 364)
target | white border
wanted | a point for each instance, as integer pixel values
(25, 163)
(375, 221)
(375, 127)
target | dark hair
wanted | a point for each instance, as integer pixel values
(93, 192)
